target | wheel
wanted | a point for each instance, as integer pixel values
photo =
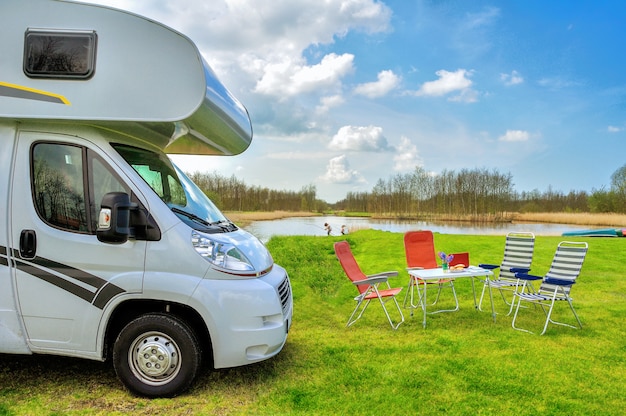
(156, 355)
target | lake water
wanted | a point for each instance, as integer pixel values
(315, 226)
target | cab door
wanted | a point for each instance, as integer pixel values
(64, 276)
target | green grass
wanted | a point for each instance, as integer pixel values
(461, 364)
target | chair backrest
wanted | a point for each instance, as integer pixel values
(419, 247)
(566, 264)
(349, 264)
(460, 258)
(518, 252)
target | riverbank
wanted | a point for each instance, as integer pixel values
(584, 218)
(244, 218)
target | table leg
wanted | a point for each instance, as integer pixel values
(493, 309)
(474, 293)
(424, 304)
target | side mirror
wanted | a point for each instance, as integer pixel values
(114, 218)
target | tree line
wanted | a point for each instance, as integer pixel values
(232, 194)
(468, 192)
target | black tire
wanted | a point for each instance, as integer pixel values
(157, 355)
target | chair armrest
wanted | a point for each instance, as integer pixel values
(376, 278)
(488, 266)
(519, 270)
(391, 273)
(558, 282)
(526, 276)
(370, 281)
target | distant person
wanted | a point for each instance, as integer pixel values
(328, 228)
(344, 230)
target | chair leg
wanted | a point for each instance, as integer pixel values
(410, 295)
(519, 303)
(547, 306)
(512, 303)
(569, 301)
(358, 305)
(545, 327)
(363, 306)
(482, 294)
(571, 306)
(487, 284)
(382, 303)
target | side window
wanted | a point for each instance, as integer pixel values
(58, 185)
(63, 197)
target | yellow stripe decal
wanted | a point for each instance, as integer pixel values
(20, 91)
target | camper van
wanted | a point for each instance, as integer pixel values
(107, 250)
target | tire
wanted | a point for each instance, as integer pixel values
(156, 355)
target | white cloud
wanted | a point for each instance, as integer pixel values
(614, 129)
(326, 103)
(278, 25)
(387, 81)
(259, 45)
(557, 83)
(338, 171)
(485, 17)
(513, 78)
(287, 78)
(359, 138)
(514, 136)
(406, 158)
(449, 82)
(467, 95)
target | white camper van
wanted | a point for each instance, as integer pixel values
(107, 250)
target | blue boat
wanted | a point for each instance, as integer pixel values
(601, 232)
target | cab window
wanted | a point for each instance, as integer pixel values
(66, 194)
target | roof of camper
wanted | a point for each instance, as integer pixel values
(146, 79)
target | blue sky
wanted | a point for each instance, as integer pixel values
(345, 92)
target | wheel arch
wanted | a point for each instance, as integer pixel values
(132, 309)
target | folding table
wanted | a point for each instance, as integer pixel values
(438, 273)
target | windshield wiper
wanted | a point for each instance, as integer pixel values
(225, 225)
(191, 216)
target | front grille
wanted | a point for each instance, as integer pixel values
(284, 291)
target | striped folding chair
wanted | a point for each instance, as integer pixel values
(556, 285)
(518, 255)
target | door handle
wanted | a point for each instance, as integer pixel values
(28, 244)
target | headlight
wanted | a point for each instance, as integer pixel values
(221, 254)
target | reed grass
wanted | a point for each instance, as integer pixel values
(461, 364)
(581, 218)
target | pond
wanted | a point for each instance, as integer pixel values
(315, 226)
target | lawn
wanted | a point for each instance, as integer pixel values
(462, 363)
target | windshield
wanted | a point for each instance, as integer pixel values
(173, 187)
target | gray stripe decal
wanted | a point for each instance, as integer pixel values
(76, 274)
(55, 280)
(104, 291)
(106, 294)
